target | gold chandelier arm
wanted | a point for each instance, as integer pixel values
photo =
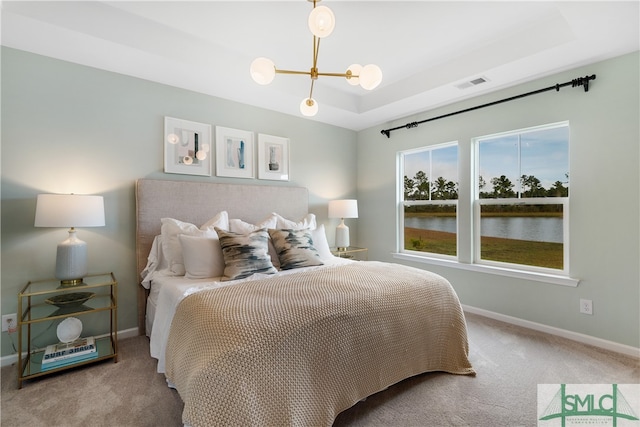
(316, 50)
(311, 90)
(337, 75)
(307, 73)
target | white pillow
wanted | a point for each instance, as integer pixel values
(170, 230)
(242, 227)
(202, 256)
(308, 222)
(156, 261)
(321, 244)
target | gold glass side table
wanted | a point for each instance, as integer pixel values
(352, 252)
(44, 303)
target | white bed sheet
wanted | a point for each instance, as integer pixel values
(167, 292)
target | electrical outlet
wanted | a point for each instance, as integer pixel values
(586, 306)
(10, 323)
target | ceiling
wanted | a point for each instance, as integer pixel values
(426, 49)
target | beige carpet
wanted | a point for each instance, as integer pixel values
(510, 362)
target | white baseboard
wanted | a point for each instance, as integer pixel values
(13, 358)
(575, 336)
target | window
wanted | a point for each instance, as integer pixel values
(429, 199)
(522, 194)
(518, 217)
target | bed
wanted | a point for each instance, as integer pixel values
(275, 330)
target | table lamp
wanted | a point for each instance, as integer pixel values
(347, 208)
(70, 210)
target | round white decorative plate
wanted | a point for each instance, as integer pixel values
(69, 329)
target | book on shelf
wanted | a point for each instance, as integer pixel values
(62, 351)
(69, 361)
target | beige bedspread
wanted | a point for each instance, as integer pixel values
(301, 348)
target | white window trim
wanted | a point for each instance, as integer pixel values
(555, 279)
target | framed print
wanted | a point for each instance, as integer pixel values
(234, 153)
(273, 157)
(187, 147)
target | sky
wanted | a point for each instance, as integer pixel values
(543, 153)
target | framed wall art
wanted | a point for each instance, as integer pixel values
(273, 157)
(234, 153)
(187, 147)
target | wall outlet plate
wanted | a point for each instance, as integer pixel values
(10, 319)
(586, 306)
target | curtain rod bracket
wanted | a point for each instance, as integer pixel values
(580, 81)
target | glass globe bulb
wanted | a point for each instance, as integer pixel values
(309, 107)
(263, 70)
(370, 76)
(321, 21)
(355, 69)
(172, 138)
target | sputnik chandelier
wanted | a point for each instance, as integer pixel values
(321, 23)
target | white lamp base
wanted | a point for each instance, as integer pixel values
(71, 260)
(342, 236)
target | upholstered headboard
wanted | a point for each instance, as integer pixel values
(197, 202)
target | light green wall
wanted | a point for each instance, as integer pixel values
(69, 128)
(604, 204)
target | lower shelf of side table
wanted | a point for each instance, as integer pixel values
(33, 362)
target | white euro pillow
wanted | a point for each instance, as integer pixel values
(172, 228)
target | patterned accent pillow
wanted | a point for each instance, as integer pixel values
(294, 248)
(245, 254)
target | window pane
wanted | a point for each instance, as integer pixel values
(430, 228)
(523, 234)
(498, 162)
(545, 163)
(416, 175)
(431, 174)
(444, 173)
(525, 164)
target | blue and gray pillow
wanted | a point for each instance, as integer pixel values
(294, 248)
(245, 254)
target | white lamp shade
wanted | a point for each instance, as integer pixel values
(370, 76)
(309, 107)
(263, 71)
(347, 208)
(321, 21)
(69, 210)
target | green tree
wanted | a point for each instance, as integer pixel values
(422, 186)
(558, 190)
(502, 188)
(409, 188)
(531, 186)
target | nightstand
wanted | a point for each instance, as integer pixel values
(45, 303)
(352, 252)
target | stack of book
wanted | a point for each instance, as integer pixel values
(64, 354)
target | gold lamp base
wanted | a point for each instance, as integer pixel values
(71, 283)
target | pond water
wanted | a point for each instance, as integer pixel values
(520, 228)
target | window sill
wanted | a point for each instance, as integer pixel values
(519, 274)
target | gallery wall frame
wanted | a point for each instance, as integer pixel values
(187, 147)
(273, 157)
(234, 153)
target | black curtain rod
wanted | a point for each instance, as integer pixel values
(580, 81)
